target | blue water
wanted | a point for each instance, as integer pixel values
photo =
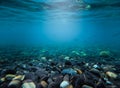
(58, 22)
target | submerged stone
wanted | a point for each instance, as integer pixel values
(44, 84)
(14, 84)
(83, 54)
(67, 58)
(111, 74)
(9, 76)
(69, 71)
(86, 86)
(19, 77)
(28, 84)
(104, 54)
(64, 84)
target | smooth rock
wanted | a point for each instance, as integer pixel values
(28, 84)
(9, 76)
(19, 77)
(69, 71)
(86, 86)
(14, 84)
(78, 71)
(70, 86)
(64, 84)
(67, 58)
(104, 53)
(111, 74)
(44, 84)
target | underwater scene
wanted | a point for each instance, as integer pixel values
(59, 43)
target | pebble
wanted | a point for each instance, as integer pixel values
(14, 84)
(70, 86)
(78, 71)
(66, 58)
(64, 84)
(69, 71)
(104, 53)
(28, 84)
(19, 77)
(86, 86)
(111, 74)
(9, 76)
(44, 84)
(96, 72)
(96, 66)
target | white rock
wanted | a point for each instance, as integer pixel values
(28, 85)
(67, 58)
(64, 84)
(95, 66)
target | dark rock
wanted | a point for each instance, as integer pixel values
(100, 84)
(53, 85)
(68, 63)
(8, 71)
(86, 86)
(41, 73)
(57, 78)
(14, 84)
(79, 82)
(30, 76)
(95, 72)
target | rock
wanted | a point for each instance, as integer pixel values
(9, 76)
(50, 80)
(68, 63)
(70, 86)
(64, 84)
(2, 80)
(57, 78)
(30, 76)
(96, 72)
(100, 84)
(8, 71)
(96, 66)
(104, 54)
(43, 59)
(86, 65)
(78, 71)
(83, 54)
(86, 86)
(67, 58)
(45, 53)
(28, 84)
(66, 78)
(41, 73)
(74, 54)
(14, 84)
(79, 81)
(19, 77)
(111, 74)
(16, 81)
(53, 85)
(69, 71)
(44, 84)
(108, 68)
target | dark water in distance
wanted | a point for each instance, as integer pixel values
(58, 22)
